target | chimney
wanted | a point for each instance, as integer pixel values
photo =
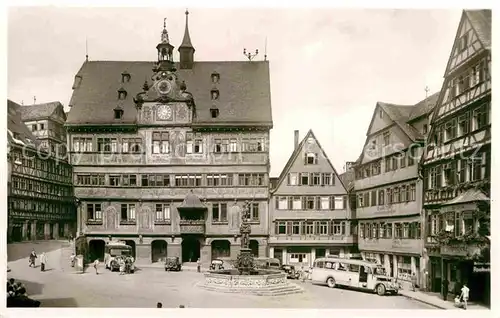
(296, 140)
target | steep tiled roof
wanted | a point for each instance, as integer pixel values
(17, 130)
(481, 22)
(37, 111)
(424, 107)
(471, 195)
(347, 179)
(245, 97)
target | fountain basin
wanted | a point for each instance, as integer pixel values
(260, 283)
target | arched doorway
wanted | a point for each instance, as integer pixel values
(158, 251)
(132, 244)
(221, 249)
(96, 250)
(254, 246)
(190, 248)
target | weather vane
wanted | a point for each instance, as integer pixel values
(164, 23)
(249, 55)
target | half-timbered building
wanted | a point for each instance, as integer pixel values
(388, 188)
(166, 154)
(40, 190)
(457, 165)
(310, 214)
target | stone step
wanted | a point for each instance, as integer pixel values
(266, 291)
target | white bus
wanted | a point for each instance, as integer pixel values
(353, 273)
(115, 250)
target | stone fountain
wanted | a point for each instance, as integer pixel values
(245, 278)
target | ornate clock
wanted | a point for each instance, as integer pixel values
(164, 87)
(164, 112)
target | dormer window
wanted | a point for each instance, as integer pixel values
(215, 77)
(214, 112)
(125, 77)
(215, 94)
(122, 93)
(118, 112)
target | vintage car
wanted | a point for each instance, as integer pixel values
(290, 271)
(115, 250)
(217, 264)
(172, 263)
(267, 263)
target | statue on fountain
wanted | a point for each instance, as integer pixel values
(245, 261)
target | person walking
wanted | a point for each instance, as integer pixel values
(96, 263)
(43, 261)
(198, 265)
(445, 289)
(72, 259)
(465, 295)
(121, 263)
(159, 305)
(413, 281)
(32, 258)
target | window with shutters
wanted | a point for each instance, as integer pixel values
(475, 167)
(336, 228)
(309, 228)
(374, 198)
(162, 212)
(295, 228)
(107, 144)
(311, 158)
(316, 178)
(219, 212)
(282, 203)
(322, 227)
(339, 203)
(281, 227)
(94, 211)
(376, 167)
(310, 203)
(327, 179)
(387, 164)
(160, 143)
(480, 117)
(388, 230)
(128, 212)
(464, 124)
(395, 195)
(292, 179)
(398, 231)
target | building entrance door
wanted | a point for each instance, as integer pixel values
(190, 248)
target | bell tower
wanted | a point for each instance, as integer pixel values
(165, 51)
(186, 49)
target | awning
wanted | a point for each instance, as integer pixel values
(471, 195)
(191, 202)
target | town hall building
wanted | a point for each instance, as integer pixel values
(167, 154)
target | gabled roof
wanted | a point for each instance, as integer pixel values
(38, 111)
(471, 195)
(296, 153)
(17, 131)
(402, 116)
(481, 22)
(245, 97)
(191, 201)
(347, 179)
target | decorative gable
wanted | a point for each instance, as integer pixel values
(466, 46)
(309, 171)
(380, 120)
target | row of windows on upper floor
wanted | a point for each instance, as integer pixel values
(163, 212)
(162, 142)
(393, 195)
(456, 223)
(384, 230)
(468, 79)
(310, 227)
(310, 179)
(174, 180)
(463, 124)
(323, 203)
(20, 183)
(23, 159)
(393, 162)
(33, 205)
(458, 171)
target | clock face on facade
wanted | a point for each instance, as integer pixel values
(164, 87)
(164, 112)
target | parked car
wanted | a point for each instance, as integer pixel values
(217, 264)
(290, 271)
(267, 263)
(172, 263)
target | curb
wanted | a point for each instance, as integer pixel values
(424, 301)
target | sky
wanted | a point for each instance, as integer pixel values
(328, 66)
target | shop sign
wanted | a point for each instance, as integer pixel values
(482, 268)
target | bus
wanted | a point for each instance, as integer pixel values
(353, 273)
(114, 250)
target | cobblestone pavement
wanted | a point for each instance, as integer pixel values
(61, 287)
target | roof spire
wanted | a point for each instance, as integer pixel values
(186, 41)
(164, 33)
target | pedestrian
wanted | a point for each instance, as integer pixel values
(159, 305)
(198, 265)
(445, 289)
(96, 262)
(465, 295)
(413, 281)
(182, 306)
(70, 238)
(72, 259)
(43, 261)
(32, 258)
(122, 266)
